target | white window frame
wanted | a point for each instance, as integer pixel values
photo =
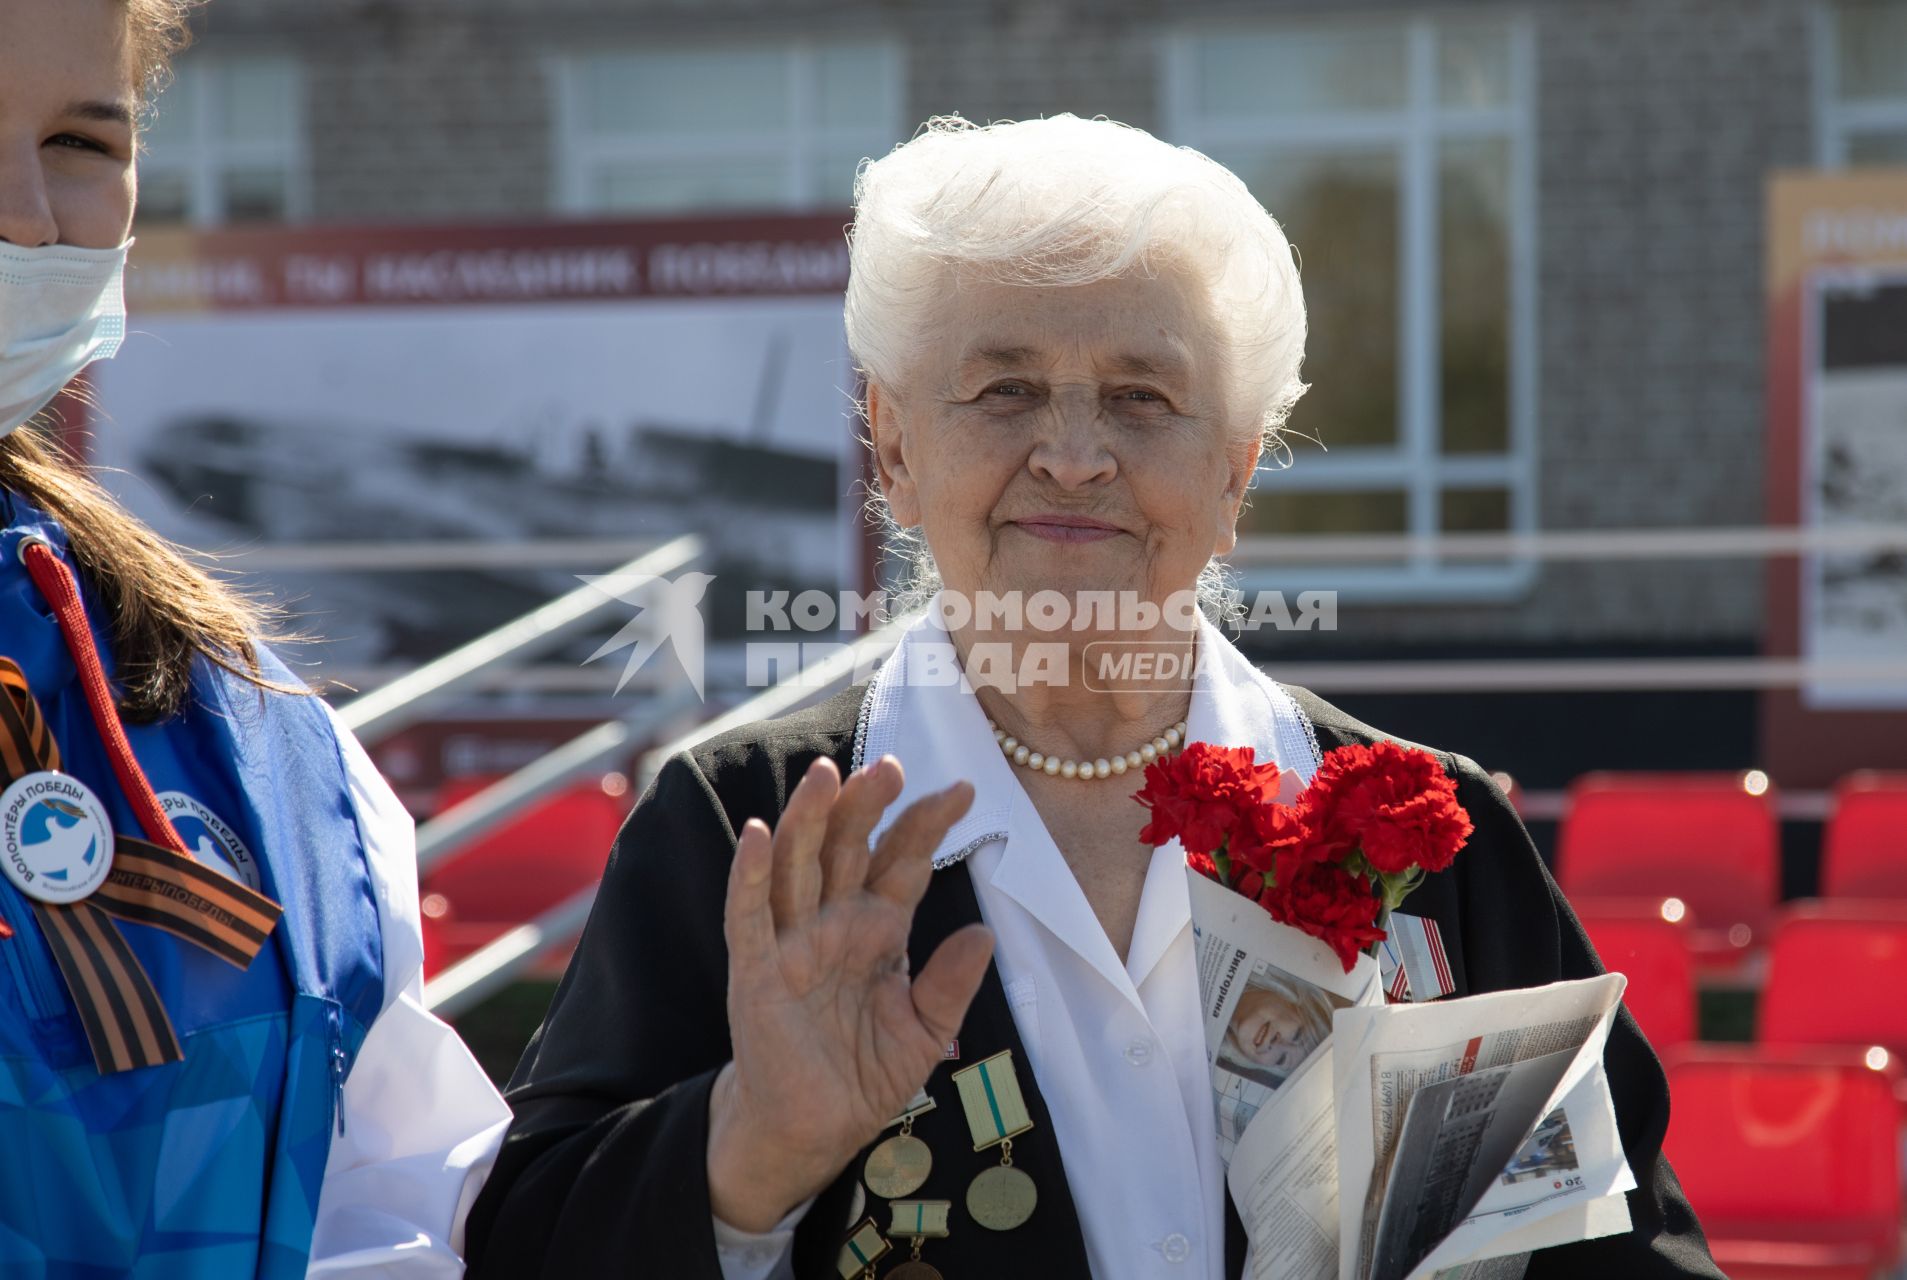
(798, 143)
(1834, 120)
(204, 157)
(1414, 464)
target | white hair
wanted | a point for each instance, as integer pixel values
(1065, 201)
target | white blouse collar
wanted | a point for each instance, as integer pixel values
(921, 710)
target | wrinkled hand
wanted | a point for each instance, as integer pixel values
(832, 1038)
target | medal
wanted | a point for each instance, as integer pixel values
(900, 1165)
(916, 1220)
(866, 1245)
(1003, 1197)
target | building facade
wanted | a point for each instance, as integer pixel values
(1531, 233)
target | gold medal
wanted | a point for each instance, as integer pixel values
(1001, 1198)
(901, 1164)
(898, 1166)
(913, 1269)
(917, 1220)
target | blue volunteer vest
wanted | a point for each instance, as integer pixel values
(211, 1166)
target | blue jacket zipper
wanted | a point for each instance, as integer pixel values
(41, 992)
(340, 1061)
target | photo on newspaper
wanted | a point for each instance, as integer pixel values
(1366, 1141)
(1550, 1152)
(1277, 1022)
(1270, 993)
(1458, 1136)
(1476, 1129)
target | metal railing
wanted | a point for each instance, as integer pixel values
(408, 698)
(1456, 675)
(411, 696)
(498, 963)
(425, 555)
(1577, 675)
(607, 743)
(1672, 543)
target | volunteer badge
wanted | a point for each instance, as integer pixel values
(56, 841)
(211, 838)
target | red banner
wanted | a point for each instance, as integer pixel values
(243, 269)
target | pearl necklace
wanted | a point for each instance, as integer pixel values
(1086, 770)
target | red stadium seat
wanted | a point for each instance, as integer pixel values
(1831, 973)
(1649, 944)
(1865, 851)
(1706, 838)
(1791, 1160)
(522, 868)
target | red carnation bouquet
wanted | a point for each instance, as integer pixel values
(1312, 1068)
(1334, 861)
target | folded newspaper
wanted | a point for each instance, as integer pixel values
(1374, 1141)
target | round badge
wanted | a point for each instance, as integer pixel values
(210, 837)
(56, 841)
(898, 1166)
(1002, 1198)
(914, 1270)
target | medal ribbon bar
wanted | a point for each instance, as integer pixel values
(990, 1092)
(915, 1219)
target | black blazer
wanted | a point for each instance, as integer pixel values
(603, 1171)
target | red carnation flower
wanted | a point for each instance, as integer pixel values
(1393, 803)
(1276, 841)
(1203, 795)
(1330, 904)
(1372, 823)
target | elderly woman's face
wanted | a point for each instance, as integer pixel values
(1072, 439)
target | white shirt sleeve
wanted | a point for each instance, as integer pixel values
(422, 1123)
(768, 1256)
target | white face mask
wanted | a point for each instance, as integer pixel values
(61, 308)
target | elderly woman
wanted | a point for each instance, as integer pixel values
(1077, 340)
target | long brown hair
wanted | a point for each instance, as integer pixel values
(166, 611)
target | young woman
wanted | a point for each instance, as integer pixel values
(214, 1059)
(1276, 1025)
